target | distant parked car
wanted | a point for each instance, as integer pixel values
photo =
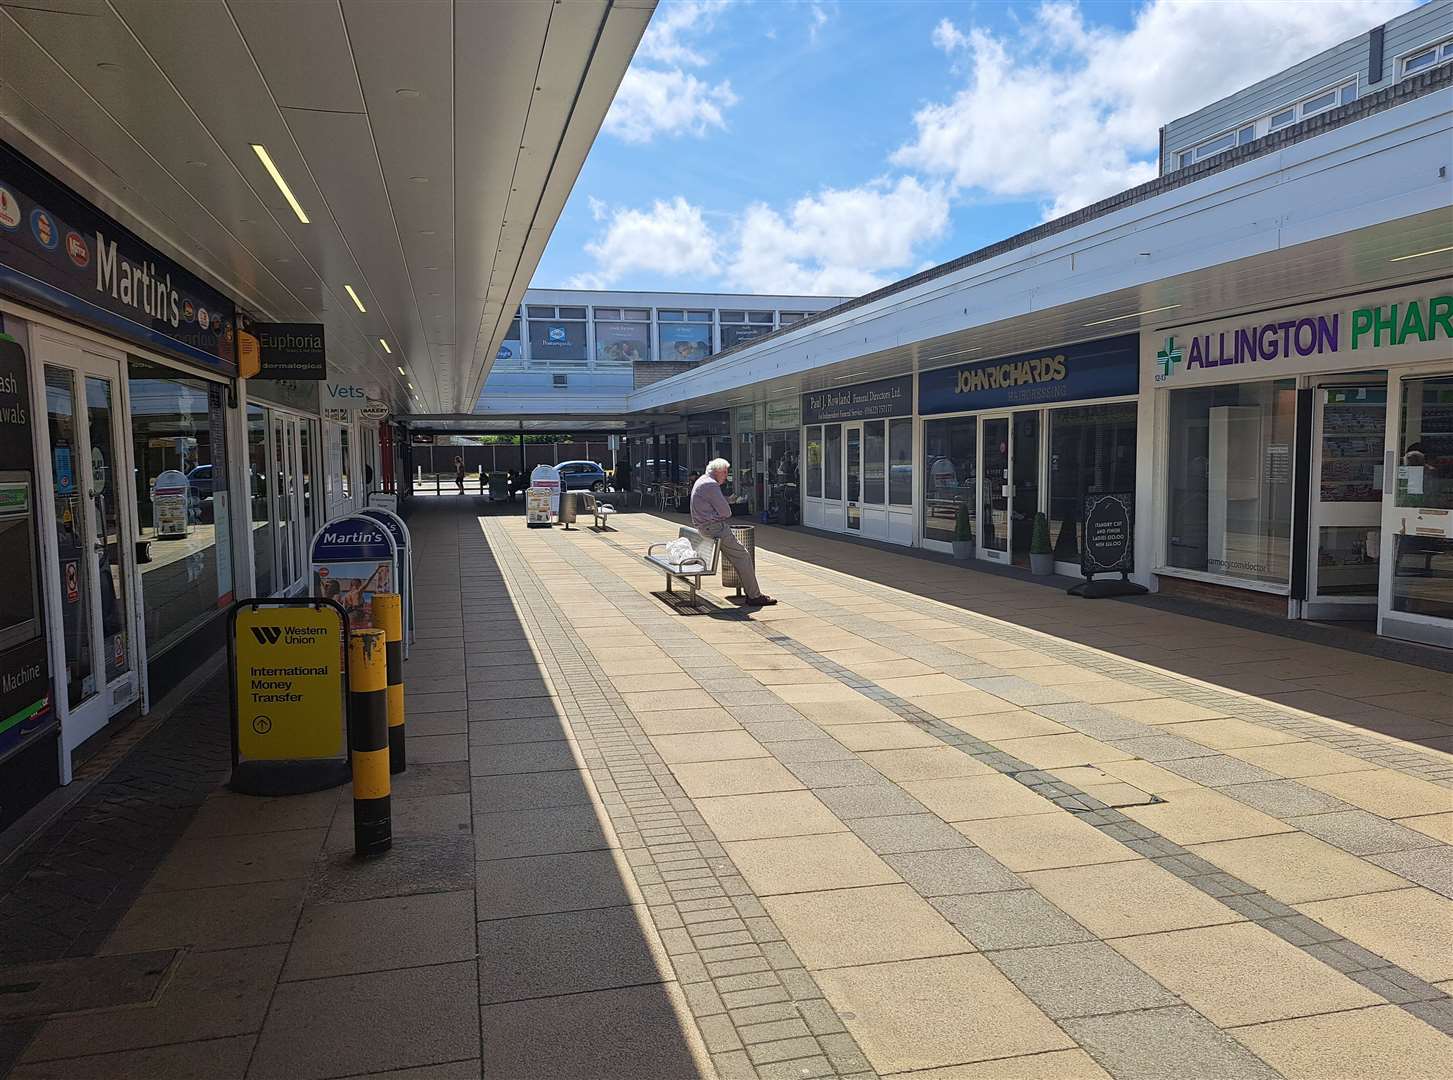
(581, 476)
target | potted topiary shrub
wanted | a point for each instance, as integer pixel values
(963, 542)
(1041, 558)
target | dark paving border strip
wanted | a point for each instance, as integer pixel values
(1376, 973)
(759, 1011)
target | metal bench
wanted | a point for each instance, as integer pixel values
(704, 561)
(603, 511)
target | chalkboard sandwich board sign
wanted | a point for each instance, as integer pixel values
(1108, 546)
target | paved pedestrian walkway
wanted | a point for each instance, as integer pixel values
(915, 820)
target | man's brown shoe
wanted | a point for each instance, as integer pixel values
(760, 601)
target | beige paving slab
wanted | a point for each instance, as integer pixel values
(1243, 974)
(858, 711)
(1162, 710)
(962, 703)
(1412, 927)
(688, 720)
(1227, 733)
(745, 776)
(888, 736)
(707, 746)
(1044, 841)
(1438, 826)
(924, 763)
(1295, 867)
(1198, 815)
(814, 694)
(1298, 759)
(889, 669)
(1101, 691)
(1380, 1042)
(1125, 898)
(863, 653)
(656, 682)
(673, 701)
(808, 863)
(1101, 785)
(778, 813)
(844, 927)
(791, 676)
(968, 798)
(1058, 751)
(1386, 793)
(770, 661)
(1147, 776)
(910, 1014)
(1055, 1065)
(920, 686)
(1005, 723)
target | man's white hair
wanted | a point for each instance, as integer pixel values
(718, 463)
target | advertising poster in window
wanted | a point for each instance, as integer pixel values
(557, 340)
(511, 348)
(685, 341)
(736, 335)
(622, 342)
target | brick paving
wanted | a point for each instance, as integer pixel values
(863, 833)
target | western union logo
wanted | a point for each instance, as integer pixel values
(267, 635)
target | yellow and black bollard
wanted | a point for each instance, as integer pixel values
(368, 740)
(388, 616)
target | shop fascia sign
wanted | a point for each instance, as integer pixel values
(1315, 337)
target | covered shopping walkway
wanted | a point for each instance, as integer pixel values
(915, 819)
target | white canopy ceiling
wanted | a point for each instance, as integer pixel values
(431, 144)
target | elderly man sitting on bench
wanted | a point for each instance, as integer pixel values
(710, 513)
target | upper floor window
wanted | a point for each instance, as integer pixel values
(786, 317)
(1316, 103)
(1426, 57)
(1209, 148)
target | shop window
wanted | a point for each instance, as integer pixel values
(738, 327)
(814, 463)
(900, 462)
(683, 335)
(1230, 480)
(177, 426)
(259, 501)
(949, 482)
(1091, 451)
(346, 465)
(622, 337)
(873, 449)
(556, 336)
(832, 461)
(1422, 574)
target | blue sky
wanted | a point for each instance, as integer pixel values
(814, 146)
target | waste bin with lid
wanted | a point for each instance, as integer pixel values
(746, 536)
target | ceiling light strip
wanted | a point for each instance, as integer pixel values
(1133, 315)
(386, 349)
(354, 297)
(277, 178)
(1420, 254)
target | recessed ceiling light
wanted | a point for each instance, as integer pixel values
(277, 178)
(418, 179)
(427, 232)
(354, 297)
(1420, 254)
(247, 221)
(408, 92)
(1133, 315)
(106, 65)
(283, 259)
(431, 268)
(402, 371)
(197, 164)
(386, 349)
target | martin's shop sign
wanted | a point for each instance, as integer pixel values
(1094, 369)
(866, 401)
(59, 252)
(1297, 342)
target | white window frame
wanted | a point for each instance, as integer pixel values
(1438, 46)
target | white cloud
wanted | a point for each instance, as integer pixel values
(671, 239)
(1068, 114)
(838, 242)
(819, 20)
(650, 103)
(948, 37)
(664, 41)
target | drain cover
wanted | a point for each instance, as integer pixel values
(55, 987)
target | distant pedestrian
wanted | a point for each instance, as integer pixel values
(710, 513)
(459, 473)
